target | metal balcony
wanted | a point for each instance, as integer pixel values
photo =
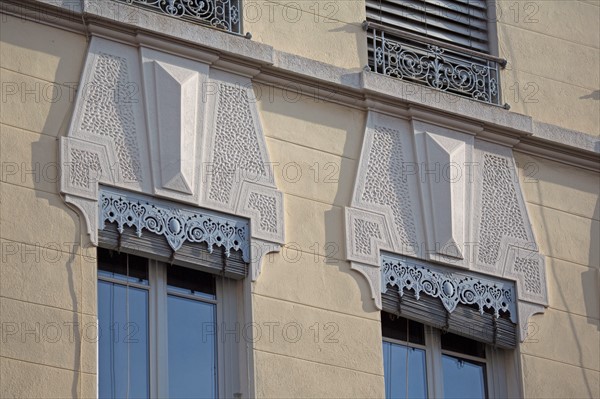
(433, 63)
(221, 14)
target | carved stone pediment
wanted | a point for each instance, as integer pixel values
(171, 127)
(443, 195)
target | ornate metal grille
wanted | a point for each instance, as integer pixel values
(222, 14)
(428, 62)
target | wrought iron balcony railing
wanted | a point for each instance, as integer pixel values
(436, 64)
(222, 14)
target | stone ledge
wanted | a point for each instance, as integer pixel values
(354, 88)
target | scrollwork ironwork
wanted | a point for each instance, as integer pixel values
(177, 225)
(222, 14)
(451, 288)
(436, 67)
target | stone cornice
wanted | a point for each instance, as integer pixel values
(354, 88)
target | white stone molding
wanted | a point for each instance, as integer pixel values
(172, 92)
(373, 276)
(500, 217)
(174, 128)
(364, 89)
(367, 234)
(442, 194)
(445, 170)
(386, 182)
(236, 152)
(264, 206)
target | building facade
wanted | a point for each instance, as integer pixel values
(300, 199)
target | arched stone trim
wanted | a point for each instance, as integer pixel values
(174, 128)
(443, 194)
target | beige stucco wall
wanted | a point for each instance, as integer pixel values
(309, 283)
(561, 357)
(552, 49)
(47, 281)
(553, 53)
(322, 30)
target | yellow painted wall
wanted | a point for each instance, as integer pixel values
(552, 49)
(561, 357)
(47, 281)
(553, 53)
(309, 283)
(322, 30)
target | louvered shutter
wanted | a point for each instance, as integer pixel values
(464, 320)
(192, 255)
(460, 22)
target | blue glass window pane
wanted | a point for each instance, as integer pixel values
(192, 348)
(395, 359)
(123, 344)
(463, 379)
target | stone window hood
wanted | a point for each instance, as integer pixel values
(444, 194)
(169, 127)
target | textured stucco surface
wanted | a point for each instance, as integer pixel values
(47, 269)
(553, 54)
(50, 277)
(561, 356)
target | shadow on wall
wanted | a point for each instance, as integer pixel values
(593, 273)
(361, 41)
(317, 115)
(46, 49)
(38, 149)
(348, 171)
(595, 95)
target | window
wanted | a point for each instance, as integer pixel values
(459, 22)
(443, 44)
(158, 329)
(421, 361)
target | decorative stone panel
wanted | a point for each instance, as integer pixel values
(172, 127)
(386, 186)
(442, 194)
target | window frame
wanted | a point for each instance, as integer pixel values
(228, 359)
(496, 361)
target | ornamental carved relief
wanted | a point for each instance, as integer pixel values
(108, 111)
(158, 125)
(500, 212)
(84, 166)
(267, 209)
(236, 149)
(442, 195)
(385, 182)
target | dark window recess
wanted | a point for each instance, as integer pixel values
(190, 280)
(459, 344)
(395, 327)
(116, 265)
